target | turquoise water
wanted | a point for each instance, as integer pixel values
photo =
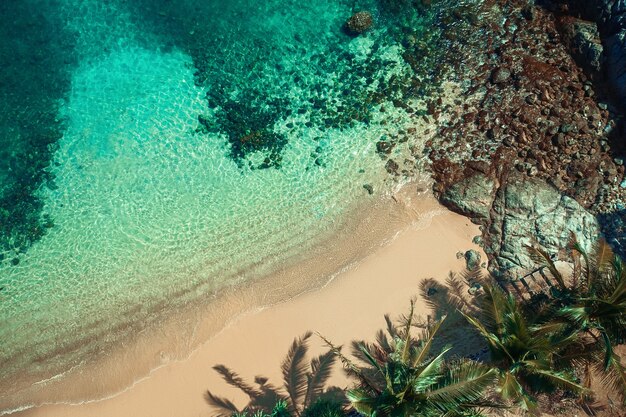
(171, 149)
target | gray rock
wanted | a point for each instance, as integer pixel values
(500, 75)
(472, 259)
(583, 40)
(472, 196)
(610, 16)
(530, 211)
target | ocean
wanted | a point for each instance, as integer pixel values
(157, 153)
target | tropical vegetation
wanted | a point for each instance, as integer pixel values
(303, 392)
(556, 339)
(399, 376)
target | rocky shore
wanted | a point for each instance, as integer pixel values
(533, 151)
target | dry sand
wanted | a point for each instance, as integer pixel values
(349, 307)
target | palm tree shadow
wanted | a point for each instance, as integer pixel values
(303, 384)
(458, 294)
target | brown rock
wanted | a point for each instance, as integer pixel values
(359, 23)
(392, 167)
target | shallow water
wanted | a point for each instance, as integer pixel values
(187, 147)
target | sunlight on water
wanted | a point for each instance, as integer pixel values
(151, 208)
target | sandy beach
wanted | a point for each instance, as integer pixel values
(350, 306)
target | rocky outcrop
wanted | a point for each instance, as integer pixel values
(529, 211)
(610, 15)
(532, 110)
(521, 212)
(583, 40)
(472, 196)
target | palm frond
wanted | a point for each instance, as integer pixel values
(357, 347)
(406, 349)
(426, 288)
(383, 341)
(542, 258)
(604, 257)
(457, 289)
(431, 373)
(493, 340)
(294, 369)
(234, 380)
(362, 401)
(494, 305)
(608, 350)
(615, 377)
(511, 389)
(391, 328)
(427, 339)
(560, 379)
(350, 367)
(580, 270)
(321, 369)
(224, 406)
(464, 383)
(369, 358)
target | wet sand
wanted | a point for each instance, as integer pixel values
(351, 306)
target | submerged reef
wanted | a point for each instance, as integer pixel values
(36, 58)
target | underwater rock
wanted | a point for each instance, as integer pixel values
(392, 167)
(359, 23)
(383, 147)
(369, 188)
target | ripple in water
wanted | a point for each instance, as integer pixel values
(181, 173)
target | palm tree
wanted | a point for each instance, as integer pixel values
(398, 376)
(303, 386)
(523, 352)
(591, 303)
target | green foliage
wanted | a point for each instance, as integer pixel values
(279, 410)
(590, 306)
(398, 376)
(303, 386)
(523, 351)
(535, 346)
(324, 408)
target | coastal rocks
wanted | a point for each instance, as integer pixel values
(583, 40)
(500, 75)
(529, 211)
(531, 109)
(528, 148)
(472, 259)
(610, 15)
(392, 167)
(359, 23)
(616, 62)
(471, 196)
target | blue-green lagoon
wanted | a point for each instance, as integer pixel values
(157, 155)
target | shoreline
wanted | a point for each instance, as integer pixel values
(145, 346)
(430, 231)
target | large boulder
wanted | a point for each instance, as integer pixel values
(360, 22)
(529, 211)
(471, 196)
(583, 40)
